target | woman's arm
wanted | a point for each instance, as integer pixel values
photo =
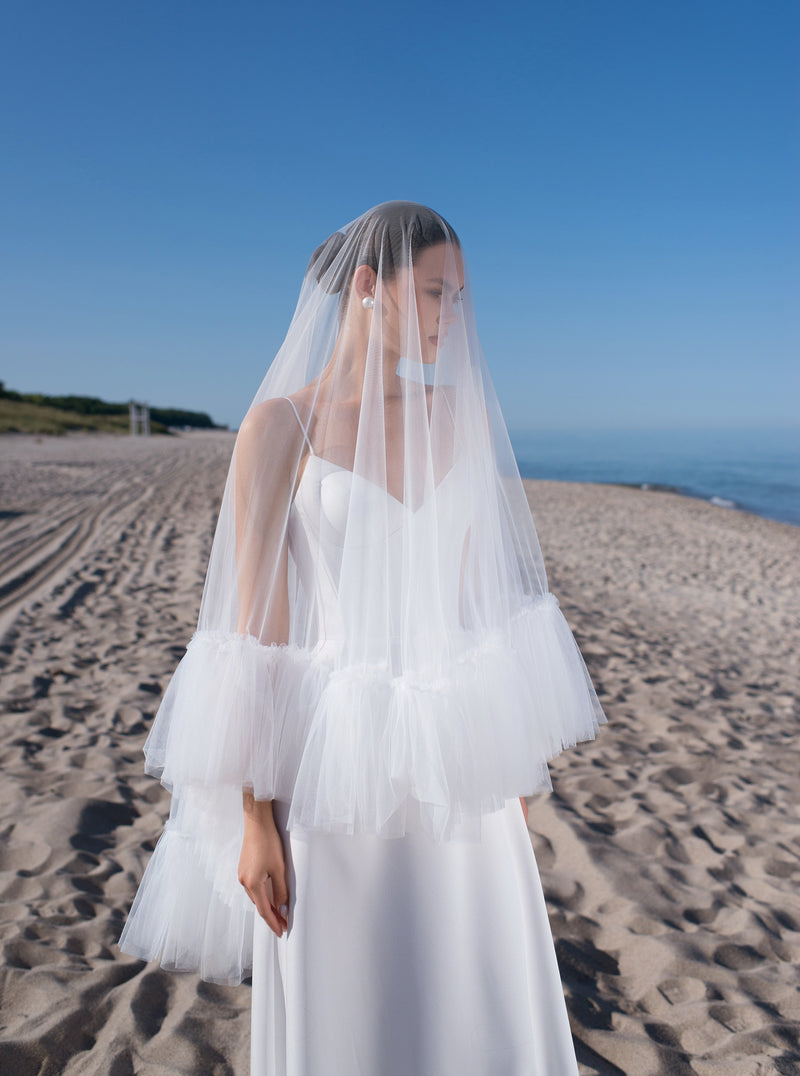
(266, 459)
(262, 491)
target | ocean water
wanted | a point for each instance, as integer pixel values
(754, 470)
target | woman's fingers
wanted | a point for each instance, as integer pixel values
(280, 896)
(259, 893)
(262, 871)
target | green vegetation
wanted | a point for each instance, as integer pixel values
(34, 412)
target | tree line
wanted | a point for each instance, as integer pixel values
(93, 405)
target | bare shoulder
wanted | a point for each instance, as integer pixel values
(272, 417)
(270, 430)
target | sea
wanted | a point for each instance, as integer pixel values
(747, 470)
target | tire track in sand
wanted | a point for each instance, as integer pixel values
(103, 544)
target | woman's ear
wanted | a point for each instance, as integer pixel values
(364, 281)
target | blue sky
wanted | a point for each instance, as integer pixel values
(624, 177)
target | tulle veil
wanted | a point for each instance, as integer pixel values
(375, 625)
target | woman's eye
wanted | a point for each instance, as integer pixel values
(458, 297)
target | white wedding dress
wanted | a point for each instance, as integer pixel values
(404, 956)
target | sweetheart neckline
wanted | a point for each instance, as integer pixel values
(347, 470)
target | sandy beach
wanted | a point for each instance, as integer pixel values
(669, 850)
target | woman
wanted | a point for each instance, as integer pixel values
(379, 672)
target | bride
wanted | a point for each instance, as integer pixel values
(378, 677)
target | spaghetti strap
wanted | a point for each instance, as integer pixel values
(302, 427)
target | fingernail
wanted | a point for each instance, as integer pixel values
(284, 909)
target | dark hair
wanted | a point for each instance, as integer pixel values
(383, 238)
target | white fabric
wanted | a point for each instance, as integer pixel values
(376, 641)
(410, 956)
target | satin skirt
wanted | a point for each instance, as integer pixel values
(404, 956)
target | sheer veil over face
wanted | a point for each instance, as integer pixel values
(375, 626)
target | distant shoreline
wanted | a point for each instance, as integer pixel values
(678, 491)
(683, 491)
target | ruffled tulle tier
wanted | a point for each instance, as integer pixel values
(189, 910)
(347, 747)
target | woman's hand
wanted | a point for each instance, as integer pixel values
(524, 803)
(262, 864)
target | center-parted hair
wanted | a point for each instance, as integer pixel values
(386, 239)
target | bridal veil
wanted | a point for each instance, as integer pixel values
(423, 658)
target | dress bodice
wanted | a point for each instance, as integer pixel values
(330, 500)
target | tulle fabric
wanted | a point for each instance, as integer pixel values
(348, 750)
(347, 746)
(375, 633)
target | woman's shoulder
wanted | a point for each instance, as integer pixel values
(271, 430)
(275, 416)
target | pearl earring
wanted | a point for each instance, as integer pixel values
(367, 302)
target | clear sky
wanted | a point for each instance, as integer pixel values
(624, 177)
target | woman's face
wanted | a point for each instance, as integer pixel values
(438, 283)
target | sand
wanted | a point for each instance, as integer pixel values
(669, 849)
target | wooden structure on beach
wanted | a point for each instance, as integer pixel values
(140, 418)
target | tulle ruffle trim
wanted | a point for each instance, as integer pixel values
(189, 909)
(348, 747)
(347, 750)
